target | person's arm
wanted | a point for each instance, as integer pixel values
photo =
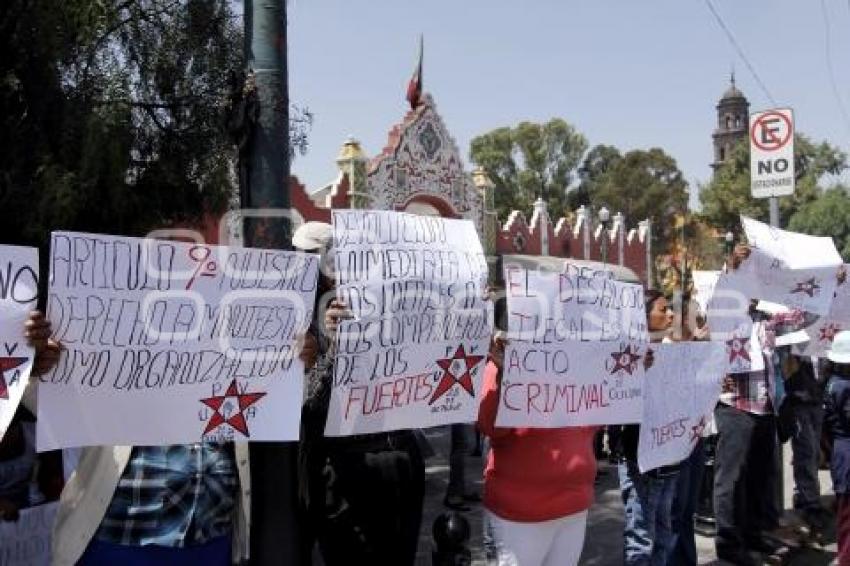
(37, 331)
(489, 407)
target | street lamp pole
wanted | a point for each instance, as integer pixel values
(729, 240)
(604, 219)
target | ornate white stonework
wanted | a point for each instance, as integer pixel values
(422, 162)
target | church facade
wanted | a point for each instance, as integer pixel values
(421, 171)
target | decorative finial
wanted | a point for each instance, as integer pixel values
(414, 86)
(733, 76)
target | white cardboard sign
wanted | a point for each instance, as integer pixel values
(170, 343)
(572, 383)
(18, 296)
(730, 323)
(413, 355)
(795, 270)
(679, 394)
(580, 303)
(823, 331)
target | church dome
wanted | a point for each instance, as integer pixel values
(732, 93)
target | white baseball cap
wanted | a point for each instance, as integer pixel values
(313, 237)
(840, 351)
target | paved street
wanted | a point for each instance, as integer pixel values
(603, 545)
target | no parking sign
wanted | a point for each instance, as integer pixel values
(772, 153)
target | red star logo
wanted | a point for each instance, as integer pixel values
(223, 409)
(808, 287)
(739, 348)
(828, 332)
(696, 430)
(450, 376)
(626, 360)
(5, 365)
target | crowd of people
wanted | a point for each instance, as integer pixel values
(361, 497)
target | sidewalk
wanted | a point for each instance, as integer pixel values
(603, 543)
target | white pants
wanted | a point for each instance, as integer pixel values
(550, 543)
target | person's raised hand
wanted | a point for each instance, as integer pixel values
(309, 349)
(336, 312)
(37, 330)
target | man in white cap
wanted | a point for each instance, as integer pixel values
(837, 424)
(362, 494)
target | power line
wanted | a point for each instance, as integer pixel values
(829, 67)
(740, 51)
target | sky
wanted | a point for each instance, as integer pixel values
(633, 74)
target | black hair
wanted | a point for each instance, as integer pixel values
(650, 296)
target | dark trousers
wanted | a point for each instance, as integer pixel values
(744, 478)
(805, 444)
(372, 508)
(461, 436)
(684, 506)
(843, 527)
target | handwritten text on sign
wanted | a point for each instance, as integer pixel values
(795, 270)
(18, 295)
(580, 303)
(571, 384)
(414, 353)
(168, 342)
(679, 395)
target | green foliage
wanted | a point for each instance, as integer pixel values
(728, 194)
(111, 114)
(528, 161)
(828, 215)
(641, 184)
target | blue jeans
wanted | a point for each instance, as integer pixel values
(684, 505)
(648, 499)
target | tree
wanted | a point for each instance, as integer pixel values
(597, 163)
(112, 114)
(728, 194)
(641, 184)
(528, 161)
(827, 215)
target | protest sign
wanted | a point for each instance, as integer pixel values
(571, 383)
(580, 302)
(679, 394)
(26, 542)
(795, 270)
(413, 354)
(578, 339)
(704, 284)
(170, 343)
(18, 296)
(823, 331)
(730, 322)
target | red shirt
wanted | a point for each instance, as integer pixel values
(534, 474)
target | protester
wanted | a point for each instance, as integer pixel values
(363, 494)
(745, 464)
(647, 497)
(688, 325)
(804, 397)
(538, 483)
(140, 506)
(837, 425)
